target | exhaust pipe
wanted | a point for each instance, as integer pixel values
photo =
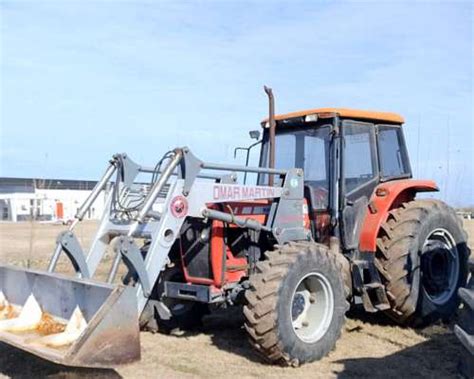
(272, 124)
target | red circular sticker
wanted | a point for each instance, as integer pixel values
(179, 207)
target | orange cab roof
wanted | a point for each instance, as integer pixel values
(344, 112)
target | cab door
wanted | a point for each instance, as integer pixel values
(359, 177)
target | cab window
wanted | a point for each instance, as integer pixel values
(306, 148)
(359, 155)
(392, 154)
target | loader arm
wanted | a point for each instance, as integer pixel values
(96, 323)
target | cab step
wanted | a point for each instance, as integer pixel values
(367, 283)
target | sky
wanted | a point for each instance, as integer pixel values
(82, 80)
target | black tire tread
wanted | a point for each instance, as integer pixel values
(397, 234)
(262, 297)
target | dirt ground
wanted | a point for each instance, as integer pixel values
(370, 344)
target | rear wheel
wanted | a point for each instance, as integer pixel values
(422, 257)
(296, 304)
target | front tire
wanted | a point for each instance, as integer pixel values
(422, 258)
(296, 304)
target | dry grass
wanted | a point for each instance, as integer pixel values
(370, 344)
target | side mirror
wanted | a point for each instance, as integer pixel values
(255, 134)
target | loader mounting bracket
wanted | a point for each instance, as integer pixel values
(189, 170)
(194, 292)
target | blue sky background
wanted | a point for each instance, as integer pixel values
(81, 80)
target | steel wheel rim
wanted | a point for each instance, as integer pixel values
(312, 307)
(440, 266)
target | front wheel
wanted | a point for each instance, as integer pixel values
(296, 304)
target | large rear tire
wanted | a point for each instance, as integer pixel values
(465, 327)
(296, 304)
(422, 258)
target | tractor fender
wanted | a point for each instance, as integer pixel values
(386, 197)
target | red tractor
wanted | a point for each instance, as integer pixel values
(333, 219)
(370, 239)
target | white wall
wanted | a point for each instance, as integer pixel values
(43, 202)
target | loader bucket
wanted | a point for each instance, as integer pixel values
(69, 321)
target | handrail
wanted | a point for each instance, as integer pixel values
(259, 170)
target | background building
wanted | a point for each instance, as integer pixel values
(57, 200)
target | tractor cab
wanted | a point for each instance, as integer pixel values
(345, 155)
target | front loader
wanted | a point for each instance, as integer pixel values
(332, 219)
